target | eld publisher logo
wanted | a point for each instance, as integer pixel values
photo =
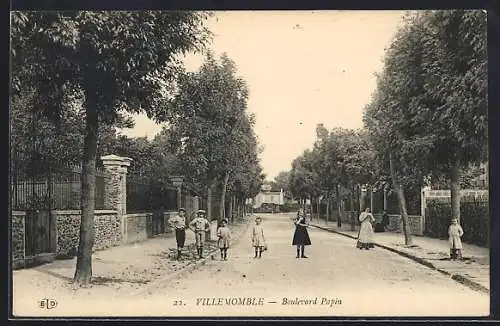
(47, 304)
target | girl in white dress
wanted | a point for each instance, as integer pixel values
(224, 235)
(455, 233)
(258, 239)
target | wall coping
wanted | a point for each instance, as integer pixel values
(79, 212)
(138, 214)
(398, 215)
(18, 213)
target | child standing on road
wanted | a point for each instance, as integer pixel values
(258, 240)
(178, 223)
(224, 237)
(455, 233)
(199, 226)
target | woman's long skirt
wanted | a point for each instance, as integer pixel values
(365, 236)
(301, 237)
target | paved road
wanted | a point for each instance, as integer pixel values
(337, 280)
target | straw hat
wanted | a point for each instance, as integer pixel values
(201, 211)
(182, 210)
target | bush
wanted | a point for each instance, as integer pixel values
(289, 207)
(474, 219)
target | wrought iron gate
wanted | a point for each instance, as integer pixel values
(31, 191)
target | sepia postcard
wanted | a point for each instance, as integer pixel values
(249, 164)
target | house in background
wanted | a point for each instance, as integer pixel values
(268, 199)
(481, 179)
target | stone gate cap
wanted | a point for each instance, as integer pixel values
(116, 160)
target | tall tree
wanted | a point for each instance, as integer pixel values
(209, 123)
(456, 81)
(282, 181)
(429, 112)
(118, 60)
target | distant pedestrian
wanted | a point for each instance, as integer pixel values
(385, 220)
(455, 233)
(178, 223)
(365, 235)
(224, 235)
(382, 225)
(301, 236)
(258, 239)
(199, 225)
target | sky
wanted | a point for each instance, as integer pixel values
(302, 68)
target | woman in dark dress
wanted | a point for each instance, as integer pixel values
(301, 236)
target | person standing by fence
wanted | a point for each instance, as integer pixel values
(455, 233)
(178, 223)
(199, 226)
(365, 235)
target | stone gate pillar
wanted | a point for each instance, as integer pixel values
(115, 187)
(196, 203)
(177, 182)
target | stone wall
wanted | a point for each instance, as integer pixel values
(166, 216)
(18, 233)
(106, 231)
(395, 223)
(137, 227)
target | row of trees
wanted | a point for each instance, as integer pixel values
(340, 161)
(427, 117)
(212, 134)
(83, 72)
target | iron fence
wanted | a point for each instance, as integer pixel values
(35, 185)
(144, 194)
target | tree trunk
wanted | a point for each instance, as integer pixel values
(353, 208)
(311, 204)
(339, 206)
(318, 208)
(210, 187)
(385, 198)
(235, 206)
(238, 207)
(327, 209)
(361, 198)
(455, 192)
(402, 202)
(371, 200)
(223, 197)
(83, 273)
(231, 216)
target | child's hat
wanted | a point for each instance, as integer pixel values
(182, 210)
(224, 220)
(201, 211)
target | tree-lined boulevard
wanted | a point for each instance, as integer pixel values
(346, 282)
(77, 78)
